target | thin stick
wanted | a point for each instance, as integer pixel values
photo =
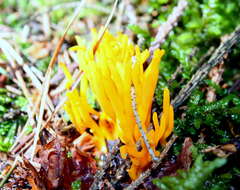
(30, 121)
(175, 74)
(120, 13)
(21, 144)
(13, 90)
(167, 27)
(61, 103)
(47, 78)
(12, 56)
(37, 84)
(105, 27)
(9, 172)
(55, 111)
(37, 73)
(218, 56)
(139, 124)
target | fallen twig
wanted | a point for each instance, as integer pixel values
(13, 57)
(103, 30)
(139, 124)
(218, 56)
(9, 172)
(175, 74)
(235, 86)
(166, 27)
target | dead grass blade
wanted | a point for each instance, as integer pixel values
(13, 57)
(46, 82)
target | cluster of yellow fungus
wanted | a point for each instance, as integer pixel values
(110, 71)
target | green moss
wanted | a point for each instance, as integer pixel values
(9, 124)
(199, 28)
(193, 179)
(209, 117)
(76, 185)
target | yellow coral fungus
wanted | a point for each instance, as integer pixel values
(81, 113)
(110, 71)
(141, 158)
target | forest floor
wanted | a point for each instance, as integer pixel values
(41, 146)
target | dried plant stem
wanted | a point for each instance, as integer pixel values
(21, 144)
(30, 121)
(139, 124)
(61, 103)
(105, 27)
(147, 173)
(175, 74)
(13, 90)
(37, 84)
(77, 80)
(166, 27)
(119, 16)
(9, 172)
(218, 56)
(13, 57)
(235, 86)
(46, 82)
